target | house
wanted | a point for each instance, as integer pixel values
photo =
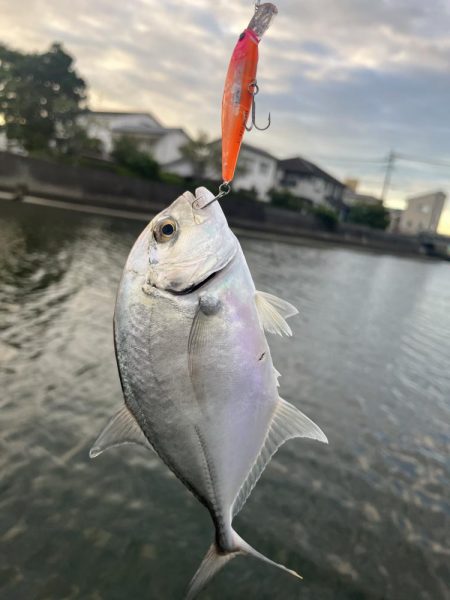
(151, 136)
(256, 169)
(308, 181)
(351, 197)
(422, 213)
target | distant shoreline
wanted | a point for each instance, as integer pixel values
(72, 187)
(242, 228)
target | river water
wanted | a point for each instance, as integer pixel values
(366, 517)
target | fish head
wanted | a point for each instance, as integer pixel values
(186, 244)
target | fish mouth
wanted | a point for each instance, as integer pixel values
(196, 286)
(150, 289)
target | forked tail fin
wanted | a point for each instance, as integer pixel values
(215, 559)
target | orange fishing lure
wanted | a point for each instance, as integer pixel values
(241, 88)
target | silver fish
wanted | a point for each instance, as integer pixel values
(196, 371)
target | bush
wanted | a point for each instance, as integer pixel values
(285, 199)
(371, 215)
(132, 161)
(172, 178)
(327, 217)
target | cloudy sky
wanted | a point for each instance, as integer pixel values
(346, 81)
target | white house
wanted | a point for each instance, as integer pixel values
(308, 181)
(161, 142)
(256, 169)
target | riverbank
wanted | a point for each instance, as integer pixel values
(24, 179)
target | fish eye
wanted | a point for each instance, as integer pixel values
(165, 230)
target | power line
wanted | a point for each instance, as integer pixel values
(352, 160)
(436, 163)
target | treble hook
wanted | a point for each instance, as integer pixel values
(253, 88)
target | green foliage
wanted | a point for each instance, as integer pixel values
(76, 144)
(201, 154)
(327, 217)
(371, 215)
(215, 161)
(172, 178)
(198, 153)
(285, 199)
(40, 96)
(133, 161)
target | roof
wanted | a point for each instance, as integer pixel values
(300, 166)
(438, 194)
(249, 148)
(120, 113)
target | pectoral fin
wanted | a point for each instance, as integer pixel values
(287, 423)
(121, 429)
(200, 335)
(273, 313)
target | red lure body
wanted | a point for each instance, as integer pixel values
(237, 99)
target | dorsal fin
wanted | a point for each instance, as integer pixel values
(121, 429)
(287, 422)
(273, 312)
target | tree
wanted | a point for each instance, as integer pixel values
(132, 160)
(201, 153)
(77, 145)
(40, 97)
(371, 215)
(198, 153)
(326, 216)
(286, 199)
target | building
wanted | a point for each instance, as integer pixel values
(308, 181)
(162, 143)
(422, 213)
(256, 169)
(351, 197)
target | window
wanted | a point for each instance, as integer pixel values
(263, 167)
(288, 182)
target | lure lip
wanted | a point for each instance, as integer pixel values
(261, 20)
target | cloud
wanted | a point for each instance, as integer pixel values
(353, 78)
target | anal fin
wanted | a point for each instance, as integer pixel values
(287, 422)
(273, 312)
(121, 429)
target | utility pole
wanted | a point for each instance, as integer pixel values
(387, 177)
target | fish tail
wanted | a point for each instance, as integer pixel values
(212, 563)
(245, 548)
(215, 559)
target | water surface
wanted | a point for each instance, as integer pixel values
(367, 517)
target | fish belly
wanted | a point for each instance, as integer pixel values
(235, 386)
